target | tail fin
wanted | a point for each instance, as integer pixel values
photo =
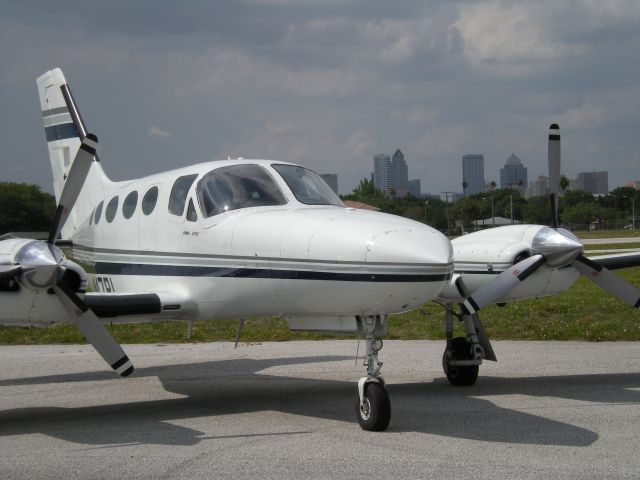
(65, 129)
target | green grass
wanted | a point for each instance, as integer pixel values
(585, 312)
(611, 246)
(584, 234)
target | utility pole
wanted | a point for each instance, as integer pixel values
(446, 200)
(511, 203)
(426, 219)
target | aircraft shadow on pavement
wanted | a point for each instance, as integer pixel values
(226, 387)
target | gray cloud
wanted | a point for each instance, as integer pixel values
(329, 85)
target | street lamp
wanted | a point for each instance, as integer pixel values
(426, 204)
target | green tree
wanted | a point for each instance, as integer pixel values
(25, 208)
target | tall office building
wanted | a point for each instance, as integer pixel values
(593, 182)
(414, 187)
(399, 174)
(332, 180)
(538, 188)
(381, 172)
(513, 174)
(473, 173)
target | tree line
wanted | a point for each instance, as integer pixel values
(576, 207)
(25, 208)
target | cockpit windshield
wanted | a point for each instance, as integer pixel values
(237, 186)
(307, 185)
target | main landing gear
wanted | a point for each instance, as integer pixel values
(463, 355)
(373, 406)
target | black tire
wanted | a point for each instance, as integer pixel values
(460, 376)
(374, 416)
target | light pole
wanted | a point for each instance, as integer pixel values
(446, 200)
(633, 213)
(511, 204)
(426, 219)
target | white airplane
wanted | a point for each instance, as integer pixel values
(244, 238)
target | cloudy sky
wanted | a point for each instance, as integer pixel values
(328, 84)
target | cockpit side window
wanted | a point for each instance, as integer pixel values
(237, 186)
(179, 191)
(307, 185)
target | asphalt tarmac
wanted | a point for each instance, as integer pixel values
(287, 410)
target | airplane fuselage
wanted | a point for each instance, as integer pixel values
(288, 259)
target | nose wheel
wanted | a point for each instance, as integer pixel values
(373, 407)
(374, 410)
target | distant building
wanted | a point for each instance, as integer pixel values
(381, 172)
(538, 188)
(399, 174)
(633, 184)
(414, 187)
(513, 174)
(332, 180)
(593, 182)
(473, 173)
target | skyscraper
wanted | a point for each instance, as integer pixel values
(414, 187)
(332, 180)
(381, 167)
(473, 173)
(593, 182)
(513, 174)
(538, 188)
(399, 174)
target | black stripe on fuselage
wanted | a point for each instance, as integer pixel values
(61, 132)
(104, 268)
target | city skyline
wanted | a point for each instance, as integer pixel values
(328, 85)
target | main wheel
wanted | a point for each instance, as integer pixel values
(375, 412)
(463, 376)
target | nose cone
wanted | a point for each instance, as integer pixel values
(412, 243)
(559, 246)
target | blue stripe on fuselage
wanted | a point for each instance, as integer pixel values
(105, 268)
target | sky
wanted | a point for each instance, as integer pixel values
(329, 84)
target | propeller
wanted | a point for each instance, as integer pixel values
(554, 247)
(41, 265)
(502, 284)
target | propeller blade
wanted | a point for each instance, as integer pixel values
(608, 280)
(502, 284)
(77, 175)
(8, 272)
(94, 331)
(554, 171)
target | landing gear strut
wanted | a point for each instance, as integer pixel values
(463, 356)
(373, 407)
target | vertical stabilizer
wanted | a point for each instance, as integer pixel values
(64, 130)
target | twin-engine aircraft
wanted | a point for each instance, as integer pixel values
(244, 238)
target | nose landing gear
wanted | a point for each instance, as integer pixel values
(373, 407)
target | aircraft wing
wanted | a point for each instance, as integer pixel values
(618, 260)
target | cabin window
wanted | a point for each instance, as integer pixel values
(307, 185)
(98, 213)
(192, 216)
(237, 186)
(112, 208)
(179, 191)
(129, 204)
(149, 200)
